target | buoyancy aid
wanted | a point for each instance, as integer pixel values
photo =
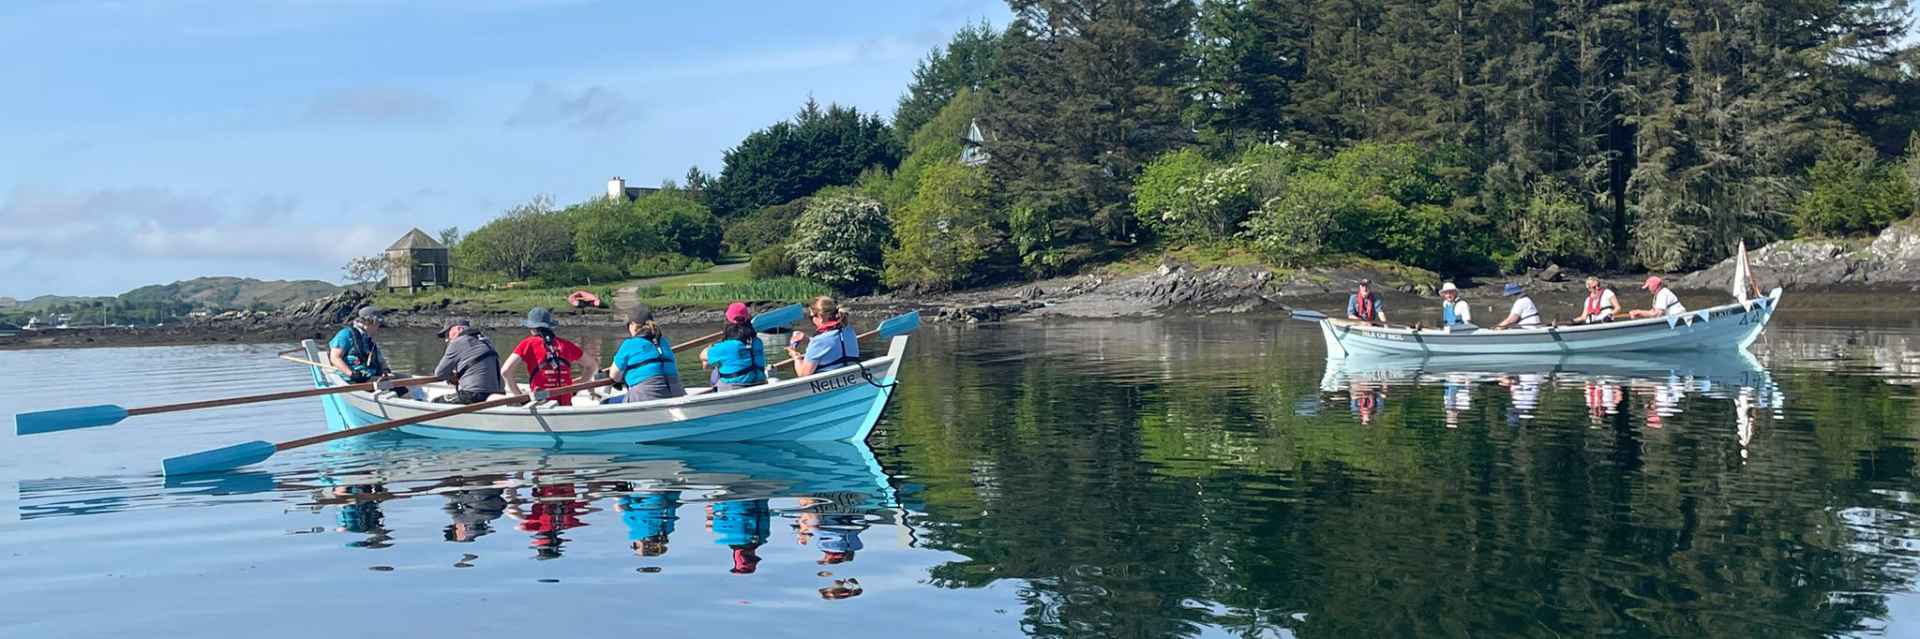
(1447, 315)
(755, 363)
(1364, 306)
(1597, 309)
(1535, 315)
(363, 354)
(556, 370)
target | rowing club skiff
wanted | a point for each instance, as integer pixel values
(840, 404)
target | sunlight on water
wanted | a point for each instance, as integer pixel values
(1171, 478)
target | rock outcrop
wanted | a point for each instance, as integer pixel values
(1891, 260)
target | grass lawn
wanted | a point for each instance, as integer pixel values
(469, 300)
(717, 289)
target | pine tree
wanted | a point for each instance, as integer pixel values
(1089, 94)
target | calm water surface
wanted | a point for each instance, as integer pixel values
(1128, 479)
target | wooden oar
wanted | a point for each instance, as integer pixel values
(257, 451)
(48, 421)
(254, 452)
(897, 325)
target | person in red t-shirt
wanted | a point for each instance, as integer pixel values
(549, 360)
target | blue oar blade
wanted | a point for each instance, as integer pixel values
(776, 318)
(218, 459)
(900, 324)
(1304, 314)
(48, 421)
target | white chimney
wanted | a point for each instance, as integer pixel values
(616, 189)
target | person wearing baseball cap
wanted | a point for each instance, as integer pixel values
(1364, 305)
(470, 364)
(645, 365)
(1453, 310)
(353, 352)
(739, 359)
(1665, 302)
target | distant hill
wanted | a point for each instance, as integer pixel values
(216, 293)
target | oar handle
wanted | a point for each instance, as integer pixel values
(270, 397)
(427, 417)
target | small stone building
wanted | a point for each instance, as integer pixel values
(418, 261)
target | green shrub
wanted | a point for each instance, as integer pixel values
(780, 289)
(1557, 227)
(612, 231)
(1163, 196)
(517, 244)
(667, 264)
(577, 274)
(840, 239)
(770, 262)
(768, 226)
(1392, 202)
(1852, 191)
(945, 233)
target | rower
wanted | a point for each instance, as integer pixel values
(1601, 303)
(1665, 302)
(470, 364)
(1453, 310)
(644, 365)
(739, 359)
(833, 344)
(1364, 305)
(353, 352)
(1524, 313)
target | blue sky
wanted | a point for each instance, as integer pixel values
(147, 141)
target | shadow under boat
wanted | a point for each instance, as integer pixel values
(845, 472)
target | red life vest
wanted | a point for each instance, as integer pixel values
(1363, 306)
(1594, 306)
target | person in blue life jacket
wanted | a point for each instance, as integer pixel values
(1453, 310)
(644, 365)
(353, 352)
(1364, 305)
(739, 359)
(742, 525)
(649, 517)
(833, 345)
(1524, 313)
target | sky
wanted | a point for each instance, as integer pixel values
(149, 141)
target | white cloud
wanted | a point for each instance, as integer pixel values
(592, 108)
(98, 234)
(376, 105)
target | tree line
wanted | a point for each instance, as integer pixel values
(1463, 136)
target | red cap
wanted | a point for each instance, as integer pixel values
(737, 313)
(1652, 281)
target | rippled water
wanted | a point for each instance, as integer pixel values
(1176, 478)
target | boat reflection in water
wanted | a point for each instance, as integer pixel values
(828, 492)
(1655, 386)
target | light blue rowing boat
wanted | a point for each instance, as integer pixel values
(1728, 326)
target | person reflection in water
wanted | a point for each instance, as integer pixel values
(836, 534)
(649, 517)
(1458, 398)
(742, 525)
(555, 508)
(1363, 399)
(472, 512)
(1603, 399)
(361, 514)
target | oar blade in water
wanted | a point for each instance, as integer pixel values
(48, 421)
(900, 324)
(776, 318)
(218, 459)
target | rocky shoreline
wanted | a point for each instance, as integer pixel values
(1888, 263)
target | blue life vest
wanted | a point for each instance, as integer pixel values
(641, 358)
(361, 352)
(1447, 316)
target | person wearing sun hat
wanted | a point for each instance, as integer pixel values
(548, 358)
(1524, 314)
(739, 359)
(1453, 310)
(1665, 302)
